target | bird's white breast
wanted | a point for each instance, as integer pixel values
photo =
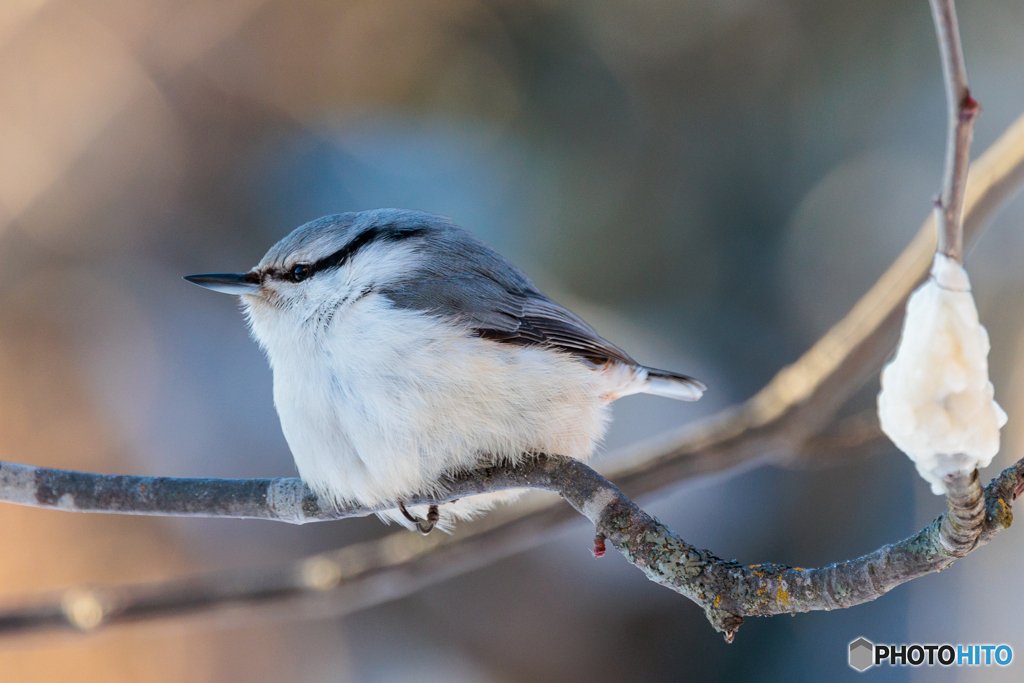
(381, 402)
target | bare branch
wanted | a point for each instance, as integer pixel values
(726, 590)
(279, 500)
(342, 581)
(729, 591)
(963, 112)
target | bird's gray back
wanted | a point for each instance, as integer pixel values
(456, 277)
(467, 282)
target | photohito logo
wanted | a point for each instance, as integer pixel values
(864, 654)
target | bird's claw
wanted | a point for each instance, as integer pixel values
(424, 526)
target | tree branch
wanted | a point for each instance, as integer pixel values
(779, 422)
(726, 590)
(281, 500)
(729, 591)
(963, 112)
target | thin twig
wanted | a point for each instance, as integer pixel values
(776, 422)
(963, 112)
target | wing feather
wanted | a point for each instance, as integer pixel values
(540, 321)
(465, 281)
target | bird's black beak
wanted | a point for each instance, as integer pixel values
(227, 283)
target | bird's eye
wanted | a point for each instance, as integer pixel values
(300, 272)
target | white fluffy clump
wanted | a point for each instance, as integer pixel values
(936, 402)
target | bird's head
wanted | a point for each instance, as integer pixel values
(323, 267)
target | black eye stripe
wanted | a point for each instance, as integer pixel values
(363, 239)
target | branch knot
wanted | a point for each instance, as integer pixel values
(964, 520)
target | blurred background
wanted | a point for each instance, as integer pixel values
(711, 183)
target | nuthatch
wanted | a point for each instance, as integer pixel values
(404, 349)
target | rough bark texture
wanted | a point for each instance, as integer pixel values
(728, 591)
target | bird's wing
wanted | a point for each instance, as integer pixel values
(537, 320)
(466, 282)
(507, 310)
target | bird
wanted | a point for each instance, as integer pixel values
(404, 351)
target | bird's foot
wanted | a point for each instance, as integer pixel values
(424, 526)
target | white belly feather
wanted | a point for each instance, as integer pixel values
(383, 402)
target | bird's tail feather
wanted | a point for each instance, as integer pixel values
(673, 385)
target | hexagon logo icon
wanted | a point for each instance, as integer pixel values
(862, 654)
